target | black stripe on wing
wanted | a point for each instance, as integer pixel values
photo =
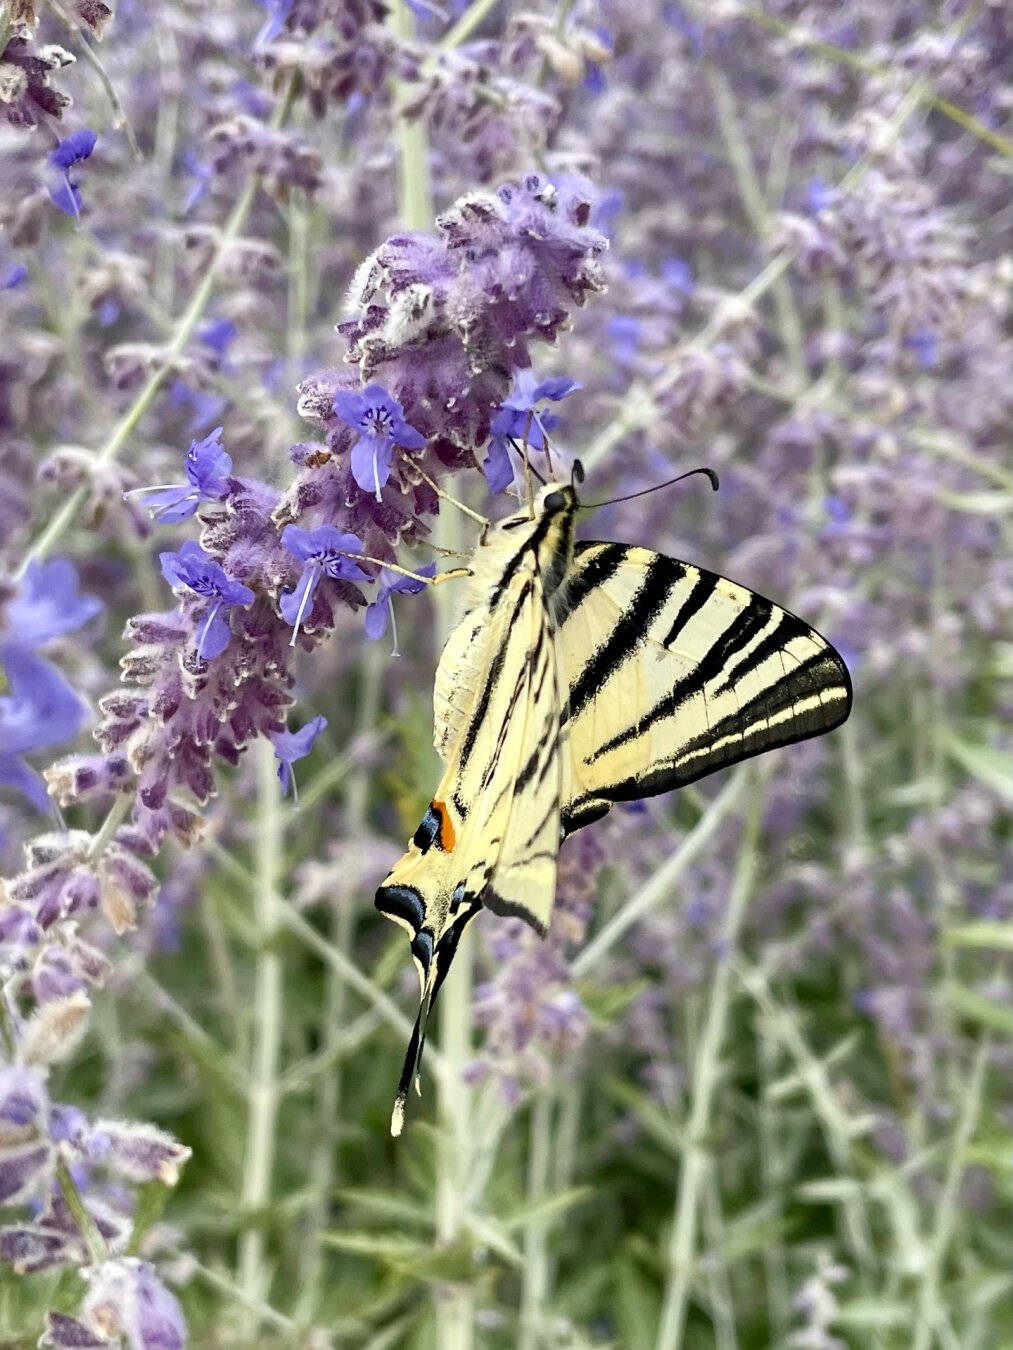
(748, 733)
(650, 598)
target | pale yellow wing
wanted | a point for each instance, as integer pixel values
(672, 672)
(504, 771)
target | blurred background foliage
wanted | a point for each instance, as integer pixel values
(754, 1090)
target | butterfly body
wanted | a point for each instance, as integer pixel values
(580, 675)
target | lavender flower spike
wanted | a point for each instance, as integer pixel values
(192, 568)
(323, 552)
(208, 467)
(379, 419)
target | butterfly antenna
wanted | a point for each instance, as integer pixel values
(632, 496)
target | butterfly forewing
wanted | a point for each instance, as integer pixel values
(674, 672)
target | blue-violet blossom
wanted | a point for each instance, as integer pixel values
(193, 568)
(70, 151)
(208, 467)
(379, 419)
(38, 708)
(323, 552)
(393, 583)
(518, 418)
(290, 746)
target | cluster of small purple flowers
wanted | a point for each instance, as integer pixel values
(443, 323)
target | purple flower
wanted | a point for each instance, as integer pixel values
(290, 746)
(13, 276)
(70, 151)
(278, 12)
(518, 418)
(47, 605)
(208, 467)
(323, 552)
(392, 583)
(126, 1300)
(379, 419)
(219, 335)
(925, 345)
(193, 568)
(41, 709)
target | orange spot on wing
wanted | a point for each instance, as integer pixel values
(447, 837)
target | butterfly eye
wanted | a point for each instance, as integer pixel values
(555, 501)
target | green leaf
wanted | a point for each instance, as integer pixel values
(978, 503)
(406, 1256)
(662, 1127)
(987, 763)
(637, 1306)
(979, 1008)
(392, 1205)
(547, 1207)
(606, 1003)
(835, 1190)
(990, 934)
(869, 1313)
(152, 1197)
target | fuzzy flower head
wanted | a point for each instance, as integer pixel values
(379, 420)
(192, 569)
(71, 150)
(393, 583)
(208, 467)
(323, 552)
(290, 746)
(520, 419)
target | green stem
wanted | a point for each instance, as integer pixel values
(466, 24)
(268, 1022)
(659, 887)
(706, 1071)
(94, 1242)
(755, 207)
(415, 206)
(535, 1274)
(103, 836)
(930, 1305)
(335, 1009)
(124, 429)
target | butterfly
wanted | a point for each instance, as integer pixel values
(582, 674)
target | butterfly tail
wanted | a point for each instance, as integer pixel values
(409, 1071)
(443, 956)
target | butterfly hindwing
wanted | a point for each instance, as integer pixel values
(674, 672)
